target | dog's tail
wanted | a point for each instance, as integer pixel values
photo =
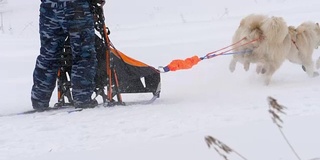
(274, 29)
(253, 24)
(250, 28)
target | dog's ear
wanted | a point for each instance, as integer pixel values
(318, 24)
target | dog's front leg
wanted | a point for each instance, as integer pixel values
(246, 65)
(232, 65)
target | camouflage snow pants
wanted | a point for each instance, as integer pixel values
(59, 19)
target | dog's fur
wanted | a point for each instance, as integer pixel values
(270, 48)
(305, 38)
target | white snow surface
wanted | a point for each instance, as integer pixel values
(205, 100)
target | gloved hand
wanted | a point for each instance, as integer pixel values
(100, 2)
(108, 30)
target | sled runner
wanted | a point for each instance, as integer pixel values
(116, 72)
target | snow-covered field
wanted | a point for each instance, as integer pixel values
(194, 103)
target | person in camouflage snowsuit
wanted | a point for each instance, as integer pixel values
(59, 19)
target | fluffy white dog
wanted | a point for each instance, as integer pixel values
(305, 38)
(270, 43)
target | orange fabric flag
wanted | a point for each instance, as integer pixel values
(183, 64)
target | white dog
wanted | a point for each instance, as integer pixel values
(269, 44)
(305, 38)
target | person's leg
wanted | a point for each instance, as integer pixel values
(47, 63)
(80, 25)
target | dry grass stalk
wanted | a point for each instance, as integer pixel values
(220, 147)
(274, 109)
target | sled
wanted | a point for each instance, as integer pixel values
(116, 73)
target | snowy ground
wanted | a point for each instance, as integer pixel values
(194, 103)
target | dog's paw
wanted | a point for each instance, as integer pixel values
(246, 66)
(318, 63)
(266, 82)
(315, 74)
(303, 68)
(263, 71)
(232, 67)
(267, 79)
(258, 69)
